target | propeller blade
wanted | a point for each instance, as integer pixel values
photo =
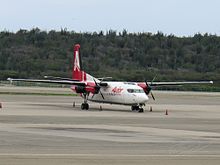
(152, 96)
(102, 95)
(97, 87)
(95, 82)
(153, 79)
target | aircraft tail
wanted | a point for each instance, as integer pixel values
(77, 72)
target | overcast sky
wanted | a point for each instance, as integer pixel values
(179, 17)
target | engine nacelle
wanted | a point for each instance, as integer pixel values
(80, 89)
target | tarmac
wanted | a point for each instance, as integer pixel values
(41, 129)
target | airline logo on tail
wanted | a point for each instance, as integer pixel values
(76, 64)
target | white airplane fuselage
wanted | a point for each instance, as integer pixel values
(120, 93)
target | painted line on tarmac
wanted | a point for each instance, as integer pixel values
(108, 155)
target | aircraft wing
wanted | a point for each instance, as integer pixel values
(66, 82)
(58, 78)
(178, 83)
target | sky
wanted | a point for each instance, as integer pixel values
(178, 17)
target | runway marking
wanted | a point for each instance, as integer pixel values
(109, 155)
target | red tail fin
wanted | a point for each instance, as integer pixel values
(78, 74)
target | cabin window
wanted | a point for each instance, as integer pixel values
(135, 90)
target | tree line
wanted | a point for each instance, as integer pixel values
(122, 55)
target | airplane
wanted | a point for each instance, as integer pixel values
(134, 94)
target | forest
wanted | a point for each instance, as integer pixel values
(121, 55)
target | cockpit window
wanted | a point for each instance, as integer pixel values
(135, 90)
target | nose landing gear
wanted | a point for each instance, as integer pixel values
(137, 108)
(141, 110)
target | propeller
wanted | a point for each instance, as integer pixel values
(149, 90)
(97, 90)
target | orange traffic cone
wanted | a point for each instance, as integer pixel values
(166, 112)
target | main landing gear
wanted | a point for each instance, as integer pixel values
(85, 105)
(137, 108)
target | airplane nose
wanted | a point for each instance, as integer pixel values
(143, 99)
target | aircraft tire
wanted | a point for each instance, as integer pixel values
(134, 108)
(85, 106)
(141, 110)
